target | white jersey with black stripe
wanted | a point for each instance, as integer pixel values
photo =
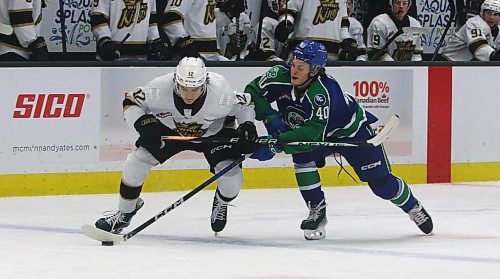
(157, 97)
(473, 31)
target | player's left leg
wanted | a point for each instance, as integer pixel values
(308, 179)
(220, 156)
(372, 166)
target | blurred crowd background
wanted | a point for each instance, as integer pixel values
(248, 30)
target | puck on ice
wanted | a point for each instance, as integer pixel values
(107, 243)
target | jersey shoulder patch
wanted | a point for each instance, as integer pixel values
(235, 98)
(276, 75)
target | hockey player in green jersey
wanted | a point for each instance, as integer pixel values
(312, 107)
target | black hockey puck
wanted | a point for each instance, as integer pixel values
(107, 243)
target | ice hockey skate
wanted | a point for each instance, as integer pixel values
(314, 225)
(419, 215)
(219, 213)
(118, 220)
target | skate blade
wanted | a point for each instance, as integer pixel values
(314, 234)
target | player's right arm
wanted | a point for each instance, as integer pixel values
(99, 19)
(476, 30)
(259, 91)
(21, 19)
(172, 22)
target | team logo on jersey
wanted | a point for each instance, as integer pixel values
(243, 98)
(404, 51)
(327, 10)
(320, 100)
(129, 13)
(294, 117)
(192, 129)
(209, 12)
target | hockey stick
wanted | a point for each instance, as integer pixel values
(406, 30)
(448, 25)
(64, 37)
(374, 141)
(105, 236)
(5, 29)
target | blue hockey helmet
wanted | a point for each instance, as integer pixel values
(311, 52)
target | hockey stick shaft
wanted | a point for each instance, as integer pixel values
(448, 25)
(375, 141)
(62, 19)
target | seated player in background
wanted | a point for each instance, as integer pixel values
(234, 30)
(478, 38)
(357, 45)
(126, 30)
(26, 41)
(405, 47)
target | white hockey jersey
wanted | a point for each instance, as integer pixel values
(268, 43)
(474, 35)
(157, 98)
(116, 19)
(24, 17)
(227, 39)
(356, 32)
(406, 47)
(319, 20)
(194, 18)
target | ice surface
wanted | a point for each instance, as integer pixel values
(366, 237)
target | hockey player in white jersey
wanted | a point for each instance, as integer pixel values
(324, 21)
(356, 33)
(125, 29)
(477, 38)
(191, 28)
(189, 102)
(270, 48)
(25, 43)
(234, 29)
(405, 47)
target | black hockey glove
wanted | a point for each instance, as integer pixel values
(282, 30)
(349, 50)
(158, 50)
(150, 131)
(39, 50)
(107, 49)
(495, 56)
(247, 134)
(184, 46)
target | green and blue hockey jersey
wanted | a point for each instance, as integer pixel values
(322, 111)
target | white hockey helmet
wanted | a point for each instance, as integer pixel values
(191, 72)
(492, 5)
